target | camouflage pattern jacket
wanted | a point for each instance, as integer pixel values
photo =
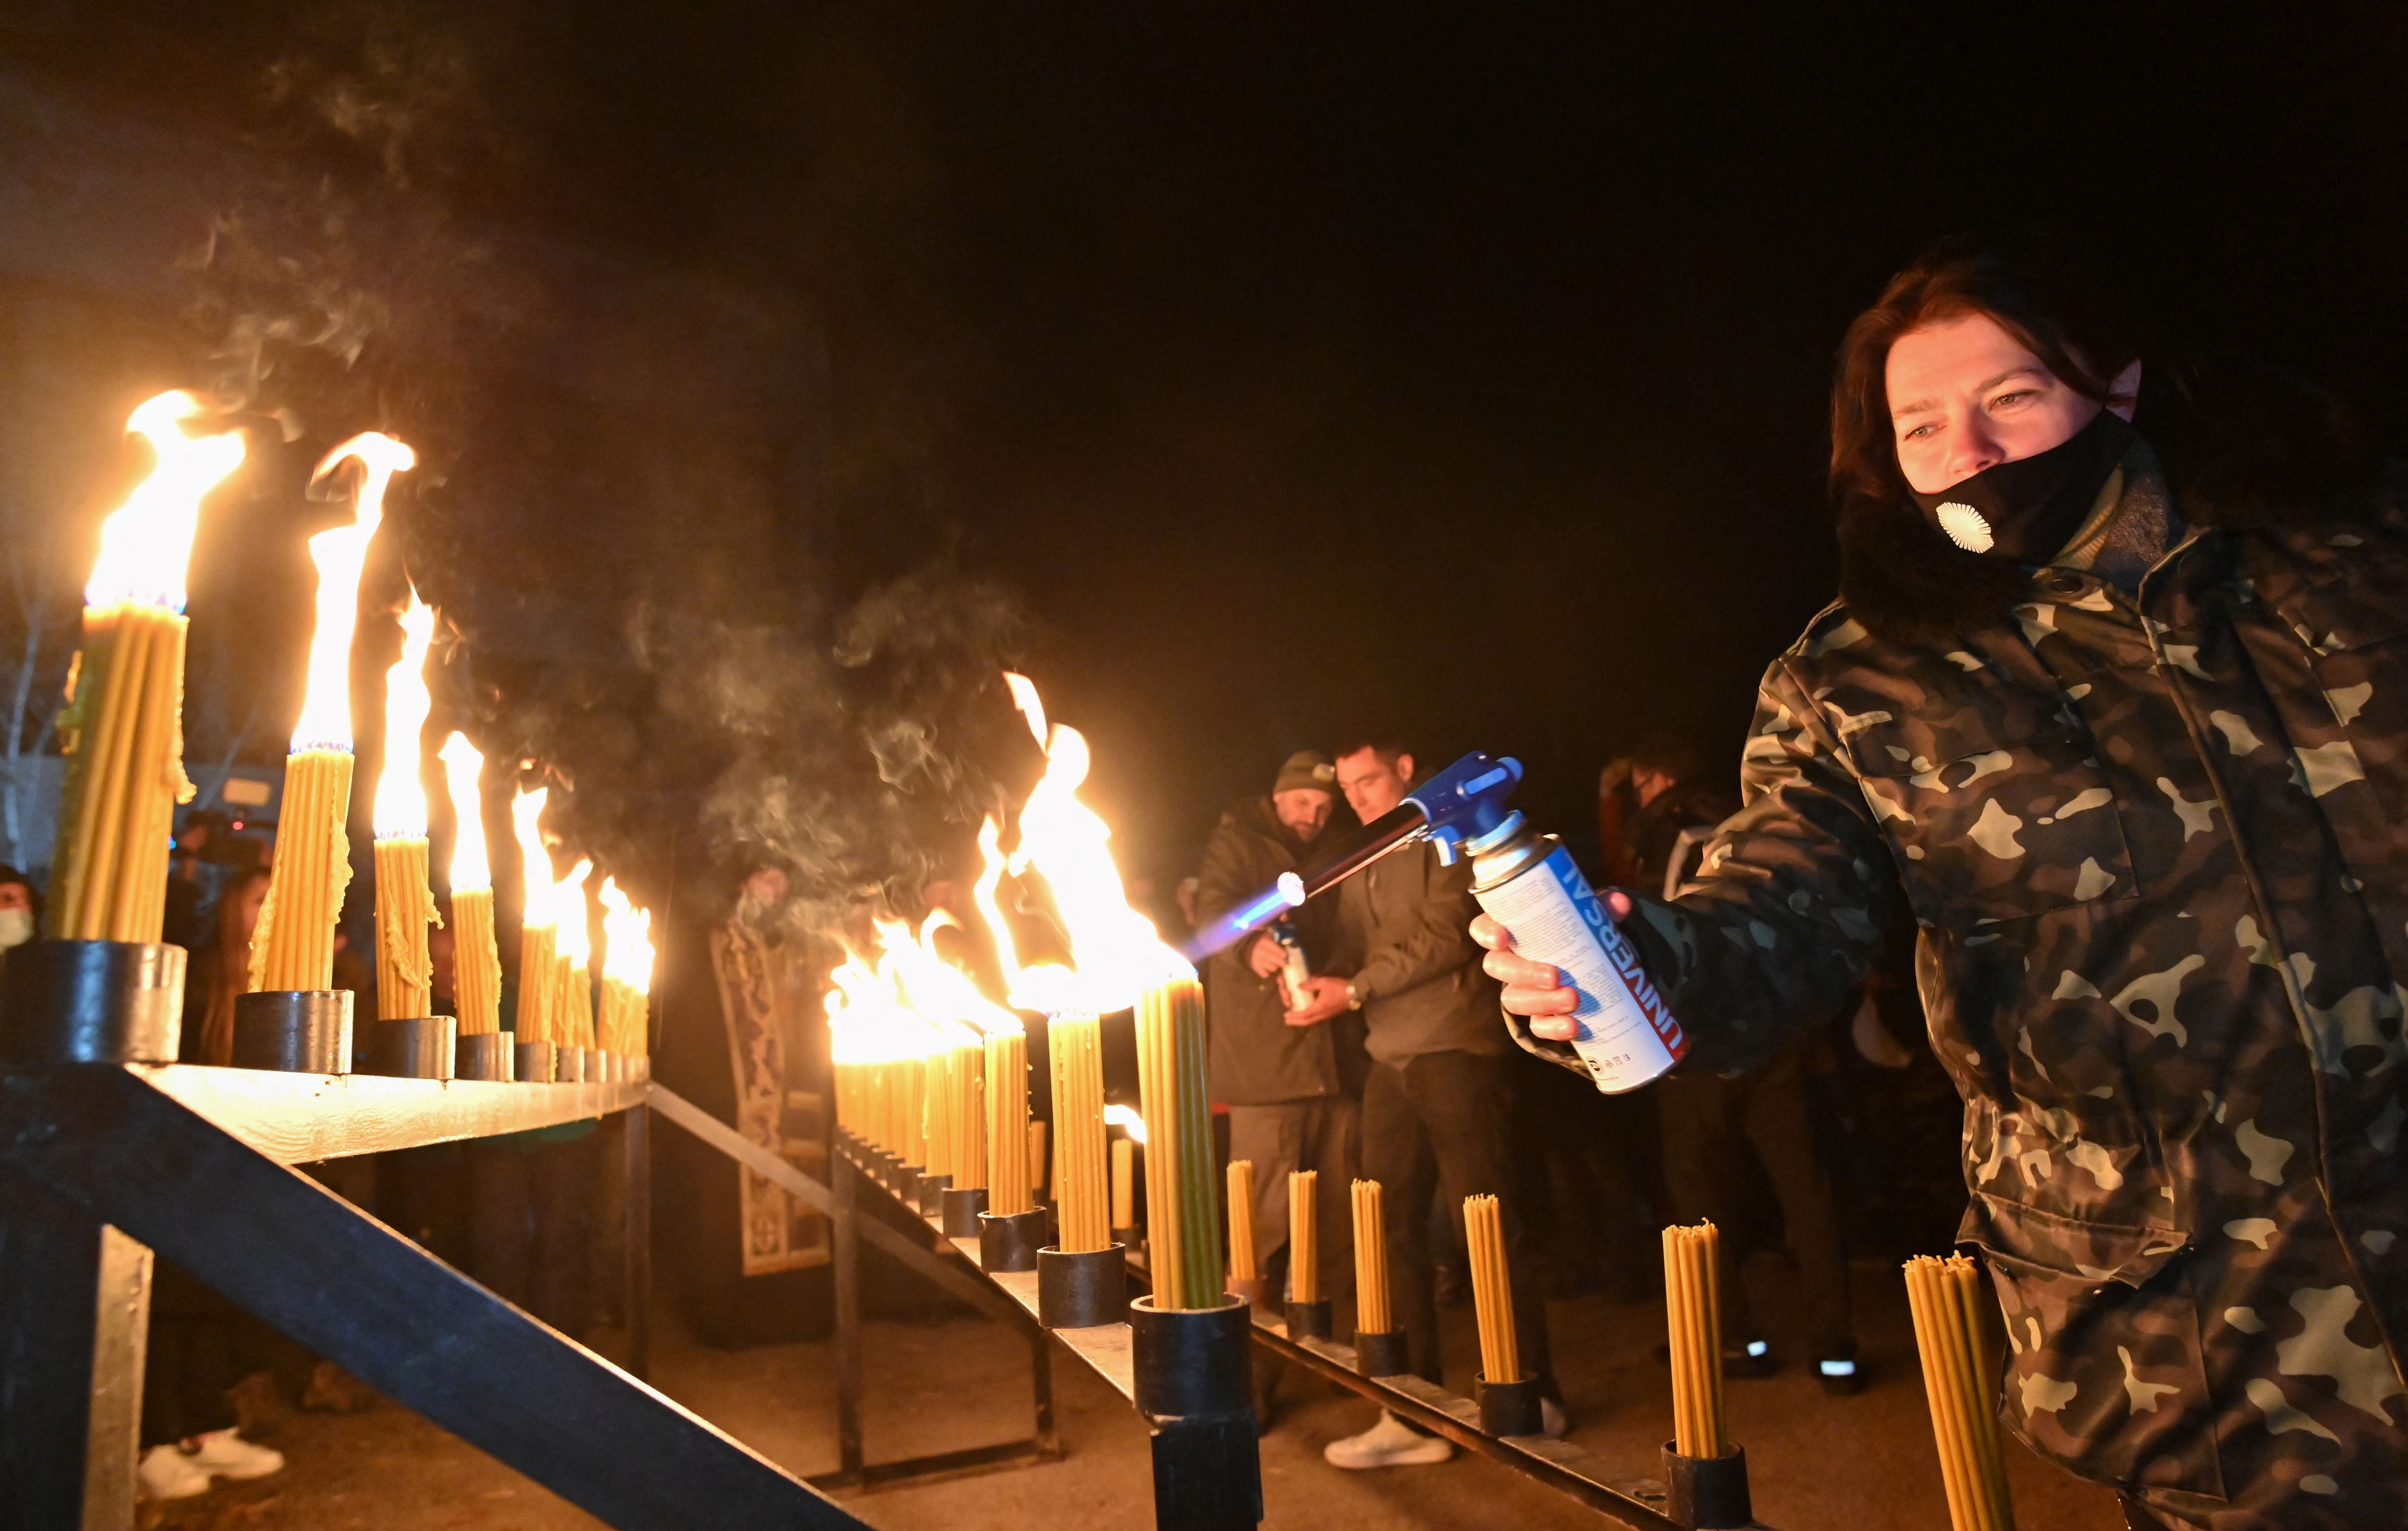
(2157, 850)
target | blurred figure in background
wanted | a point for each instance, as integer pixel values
(21, 908)
(1293, 1092)
(221, 969)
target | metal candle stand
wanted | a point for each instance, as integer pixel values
(1081, 1289)
(485, 1055)
(534, 1063)
(1709, 1492)
(1309, 1320)
(1010, 1240)
(293, 1031)
(91, 1002)
(931, 1200)
(1509, 1408)
(420, 1046)
(963, 1208)
(1194, 1374)
(1383, 1355)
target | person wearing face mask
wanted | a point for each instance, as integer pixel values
(2114, 700)
(1294, 1093)
(21, 908)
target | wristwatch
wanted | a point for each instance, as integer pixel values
(1354, 997)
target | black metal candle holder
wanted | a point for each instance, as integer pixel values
(1084, 1289)
(1382, 1354)
(1509, 1408)
(295, 1030)
(932, 1194)
(1194, 1376)
(91, 1002)
(1010, 1240)
(1309, 1320)
(419, 1048)
(1707, 1492)
(536, 1062)
(963, 1208)
(567, 1065)
(485, 1055)
(592, 1071)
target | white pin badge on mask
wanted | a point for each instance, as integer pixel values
(1965, 526)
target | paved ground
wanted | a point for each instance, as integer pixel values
(1863, 1464)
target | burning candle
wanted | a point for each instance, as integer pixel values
(1370, 1260)
(294, 946)
(404, 904)
(627, 960)
(1241, 1223)
(1123, 1183)
(1087, 1198)
(1303, 1236)
(966, 1092)
(1492, 1290)
(1182, 1193)
(1006, 1115)
(573, 959)
(476, 957)
(124, 729)
(539, 981)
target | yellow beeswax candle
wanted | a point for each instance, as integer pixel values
(1123, 1184)
(1370, 1260)
(1082, 1186)
(1182, 1191)
(476, 956)
(404, 904)
(1304, 1234)
(1007, 1122)
(1242, 1267)
(123, 728)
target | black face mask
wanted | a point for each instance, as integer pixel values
(2026, 510)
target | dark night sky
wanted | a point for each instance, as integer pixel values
(1457, 369)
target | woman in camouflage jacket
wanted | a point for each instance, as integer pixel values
(2146, 796)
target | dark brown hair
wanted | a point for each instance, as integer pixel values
(2036, 289)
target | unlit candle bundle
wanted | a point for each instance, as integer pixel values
(1492, 1290)
(1036, 1160)
(1182, 1193)
(1241, 1221)
(1692, 1307)
(1007, 1118)
(1370, 1260)
(1303, 1236)
(1960, 1382)
(1084, 1188)
(124, 727)
(475, 958)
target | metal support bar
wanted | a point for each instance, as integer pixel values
(56, 1469)
(842, 1202)
(102, 1145)
(636, 1272)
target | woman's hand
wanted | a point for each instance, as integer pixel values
(1534, 989)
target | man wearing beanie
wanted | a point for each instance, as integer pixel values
(1293, 1091)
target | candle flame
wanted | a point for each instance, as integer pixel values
(1031, 706)
(400, 796)
(526, 809)
(1127, 1120)
(146, 545)
(627, 939)
(339, 555)
(1115, 952)
(568, 912)
(867, 1020)
(463, 768)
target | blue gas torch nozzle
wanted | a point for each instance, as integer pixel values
(1459, 804)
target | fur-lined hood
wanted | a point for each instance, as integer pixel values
(2243, 444)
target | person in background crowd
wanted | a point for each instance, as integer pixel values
(195, 873)
(220, 970)
(1294, 1093)
(21, 908)
(2111, 700)
(1437, 1104)
(1713, 1125)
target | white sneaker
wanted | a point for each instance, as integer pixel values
(167, 1473)
(1553, 1424)
(224, 1453)
(1390, 1443)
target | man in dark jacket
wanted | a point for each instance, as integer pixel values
(1437, 1106)
(2124, 720)
(1294, 1093)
